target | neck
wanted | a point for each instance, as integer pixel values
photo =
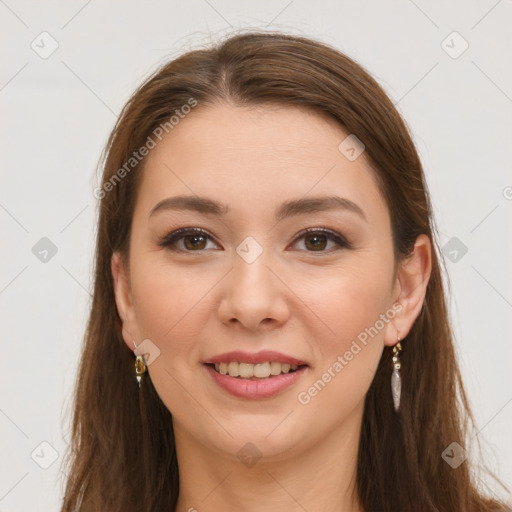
(321, 478)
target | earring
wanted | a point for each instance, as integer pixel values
(396, 381)
(140, 367)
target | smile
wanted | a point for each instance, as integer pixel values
(254, 371)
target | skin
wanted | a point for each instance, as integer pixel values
(293, 299)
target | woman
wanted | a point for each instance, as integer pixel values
(269, 328)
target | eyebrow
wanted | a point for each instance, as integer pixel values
(287, 209)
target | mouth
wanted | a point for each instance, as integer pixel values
(251, 371)
(263, 375)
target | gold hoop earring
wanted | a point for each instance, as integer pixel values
(140, 367)
(396, 380)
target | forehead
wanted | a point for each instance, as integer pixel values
(255, 131)
(254, 156)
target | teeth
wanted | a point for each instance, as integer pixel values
(246, 370)
(275, 368)
(233, 369)
(259, 370)
(262, 370)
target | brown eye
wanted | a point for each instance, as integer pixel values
(186, 240)
(194, 242)
(317, 240)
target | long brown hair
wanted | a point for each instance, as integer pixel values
(122, 455)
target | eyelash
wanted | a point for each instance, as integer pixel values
(170, 239)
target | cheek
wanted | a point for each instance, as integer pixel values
(349, 345)
(347, 300)
(172, 304)
(172, 310)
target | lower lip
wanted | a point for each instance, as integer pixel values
(254, 389)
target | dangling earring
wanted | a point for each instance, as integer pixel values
(396, 381)
(140, 367)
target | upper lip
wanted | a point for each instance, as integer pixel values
(258, 357)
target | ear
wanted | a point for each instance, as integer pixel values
(124, 301)
(411, 286)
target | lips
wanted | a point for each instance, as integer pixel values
(260, 375)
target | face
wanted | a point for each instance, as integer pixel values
(236, 279)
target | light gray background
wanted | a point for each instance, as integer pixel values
(57, 113)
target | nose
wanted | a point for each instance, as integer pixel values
(253, 295)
